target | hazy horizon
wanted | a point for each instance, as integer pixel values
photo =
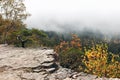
(65, 15)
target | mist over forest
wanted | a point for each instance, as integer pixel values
(76, 28)
(76, 15)
(74, 25)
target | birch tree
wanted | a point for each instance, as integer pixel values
(13, 11)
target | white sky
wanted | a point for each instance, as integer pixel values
(54, 14)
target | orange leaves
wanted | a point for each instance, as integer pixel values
(62, 47)
(74, 43)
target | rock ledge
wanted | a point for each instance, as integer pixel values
(36, 64)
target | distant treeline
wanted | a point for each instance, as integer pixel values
(88, 39)
(39, 38)
(10, 30)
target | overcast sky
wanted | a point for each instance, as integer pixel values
(101, 15)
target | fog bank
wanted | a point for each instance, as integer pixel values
(67, 15)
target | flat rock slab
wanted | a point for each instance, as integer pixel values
(17, 63)
(19, 57)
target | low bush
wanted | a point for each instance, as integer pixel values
(72, 59)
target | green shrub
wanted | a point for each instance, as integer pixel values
(72, 58)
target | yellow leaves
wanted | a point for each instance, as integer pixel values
(97, 62)
(112, 59)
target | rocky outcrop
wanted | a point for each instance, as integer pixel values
(26, 64)
(36, 64)
(67, 74)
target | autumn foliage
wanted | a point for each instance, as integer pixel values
(96, 60)
(70, 54)
(74, 43)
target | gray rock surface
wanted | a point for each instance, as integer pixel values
(36, 64)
